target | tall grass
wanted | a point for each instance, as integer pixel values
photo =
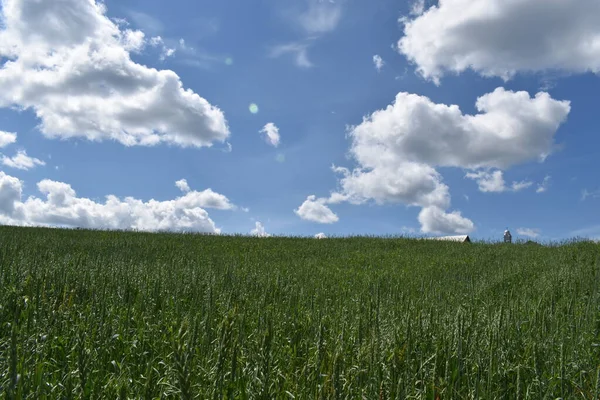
(131, 315)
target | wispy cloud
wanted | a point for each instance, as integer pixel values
(532, 233)
(298, 50)
(146, 22)
(543, 186)
(321, 16)
(586, 194)
(378, 61)
(314, 18)
(592, 232)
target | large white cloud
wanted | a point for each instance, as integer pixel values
(71, 65)
(315, 210)
(503, 37)
(398, 148)
(510, 128)
(62, 207)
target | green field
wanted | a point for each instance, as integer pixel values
(134, 315)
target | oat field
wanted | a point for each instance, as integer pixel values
(92, 314)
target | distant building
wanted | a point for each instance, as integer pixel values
(507, 236)
(459, 238)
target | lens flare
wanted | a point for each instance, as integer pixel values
(280, 157)
(253, 108)
(229, 61)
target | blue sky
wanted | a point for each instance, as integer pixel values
(113, 121)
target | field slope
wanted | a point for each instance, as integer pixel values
(132, 315)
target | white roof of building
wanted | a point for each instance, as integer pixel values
(459, 238)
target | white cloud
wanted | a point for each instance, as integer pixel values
(259, 230)
(418, 7)
(21, 161)
(501, 38)
(435, 220)
(398, 148)
(77, 76)
(532, 233)
(494, 182)
(408, 183)
(183, 185)
(320, 17)
(488, 182)
(408, 230)
(510, 128)
(315, 210)
(320, 235)
(165, 52)
(543, 186)
(271, 132)
(585, 194)
(378, 61)
(133, 41)
(7, 138)
(299, 50)
(520, 185)
(62, 207)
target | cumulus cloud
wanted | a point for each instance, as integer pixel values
(77, 76)
(398, 148)
(320, 235)
(532, 233)
(22, 161)
(494, 182)
(501, 38)
(271, 133)
(259, 230)
(183, 185)
(378, 61)
(60, 206)
(404, 182)
(509, 128)
(488, 182)
(316, 210)
(435, 220)
(320, 16)
(7, 138)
